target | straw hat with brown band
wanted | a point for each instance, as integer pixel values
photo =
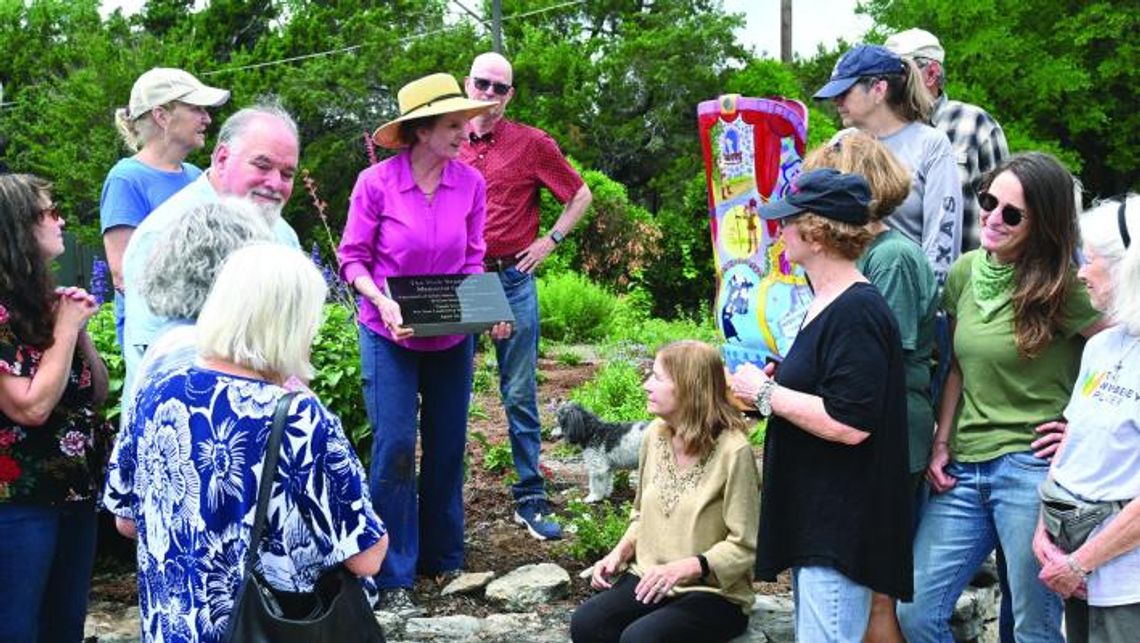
(428, 96)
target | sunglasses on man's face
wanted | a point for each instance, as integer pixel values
(1010, 215)
(482, 84)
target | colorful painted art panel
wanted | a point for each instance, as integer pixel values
(752, 148)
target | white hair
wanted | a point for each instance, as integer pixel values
(264, 311)
(181, 268)
(1101, 231)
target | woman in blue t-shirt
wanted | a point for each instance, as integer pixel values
(165, 121)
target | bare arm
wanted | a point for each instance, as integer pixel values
(540, 248)
(29, 401)
(1120, 536)
(575, 208)
(389, 310)
(808, 412)
(99, 376)
(947, 406)
(126, 527)
(367, 562)
(115, 243)
(804, 410)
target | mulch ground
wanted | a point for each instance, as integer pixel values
(493, 541)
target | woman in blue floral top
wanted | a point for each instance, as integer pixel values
(51, 380)
(184, 473)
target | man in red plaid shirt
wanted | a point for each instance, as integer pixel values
(518, 161)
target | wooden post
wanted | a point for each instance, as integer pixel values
(785, 31)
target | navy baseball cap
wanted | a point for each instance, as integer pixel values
(829, 193)
(859, 62)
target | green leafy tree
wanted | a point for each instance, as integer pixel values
(1049, 71)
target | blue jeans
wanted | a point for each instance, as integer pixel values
(518, 385)
(46, 558)
(830, 608)
(403, 388)
(993, 502)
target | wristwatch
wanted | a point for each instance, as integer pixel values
(556, 236)
(764, 398)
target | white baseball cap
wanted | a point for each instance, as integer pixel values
(162, 85)
(916, 43)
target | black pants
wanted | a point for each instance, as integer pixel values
(616, 615)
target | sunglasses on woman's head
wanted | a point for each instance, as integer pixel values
(1010, 215)
(482, 84)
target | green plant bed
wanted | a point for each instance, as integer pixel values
(572, 308)
(593, 530)
(615, 393)
(101, 328)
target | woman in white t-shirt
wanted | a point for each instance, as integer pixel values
(1099, 459)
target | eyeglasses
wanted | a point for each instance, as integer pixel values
(1010, 215)
(482, 84)
(52, 211)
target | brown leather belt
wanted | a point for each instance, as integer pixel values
(499, 264)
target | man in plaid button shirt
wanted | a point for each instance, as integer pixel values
(978, 141)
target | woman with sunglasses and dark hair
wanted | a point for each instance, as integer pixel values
(879, 93)
(1018, 319)
(51, 381)
(1095, 564)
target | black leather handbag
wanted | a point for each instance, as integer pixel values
(336, 610)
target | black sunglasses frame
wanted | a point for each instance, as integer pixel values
(482, 84)
(52, 212)
(1012, 216)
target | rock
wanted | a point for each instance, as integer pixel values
(112, 622)
(391, 623)
(509, 628)
(468, 583)
(530, 585)
(444, 628)
(772, 621)
(975, 614)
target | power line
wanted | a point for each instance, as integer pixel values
(405, 39)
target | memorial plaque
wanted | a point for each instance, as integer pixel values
(435, 305)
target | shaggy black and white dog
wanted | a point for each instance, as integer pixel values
(606, 446)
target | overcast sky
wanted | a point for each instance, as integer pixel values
(813, 22)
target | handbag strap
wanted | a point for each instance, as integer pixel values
(268, 470)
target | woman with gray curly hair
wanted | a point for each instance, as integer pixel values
(180, 272)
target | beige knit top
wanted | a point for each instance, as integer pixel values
(711, 508)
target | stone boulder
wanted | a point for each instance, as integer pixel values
(468, 583)
(530, 585)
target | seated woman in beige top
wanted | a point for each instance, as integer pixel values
(691, 543)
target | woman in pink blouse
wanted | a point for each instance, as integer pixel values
(420, 212)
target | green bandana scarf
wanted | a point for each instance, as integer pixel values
(993, 285)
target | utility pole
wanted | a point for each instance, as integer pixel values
(785, 30)
(497, 25)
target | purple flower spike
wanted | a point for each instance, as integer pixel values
(99, 280)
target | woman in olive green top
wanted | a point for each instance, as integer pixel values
(1018, 321)
(691, 542)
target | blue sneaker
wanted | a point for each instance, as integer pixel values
(536, 516)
